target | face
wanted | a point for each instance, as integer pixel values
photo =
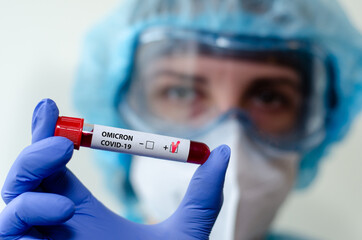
(193, 90)
(196, 89)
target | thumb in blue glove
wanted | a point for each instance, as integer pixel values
(45, 199)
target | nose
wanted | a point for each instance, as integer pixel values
(227, 94)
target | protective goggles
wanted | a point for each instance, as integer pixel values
(184, 82)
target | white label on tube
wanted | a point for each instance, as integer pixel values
(140, 143)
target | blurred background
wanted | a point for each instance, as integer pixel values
(40, 44)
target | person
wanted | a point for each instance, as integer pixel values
(278, 81)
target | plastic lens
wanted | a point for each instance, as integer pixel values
(187, 81)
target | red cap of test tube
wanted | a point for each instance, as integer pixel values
(70, 128)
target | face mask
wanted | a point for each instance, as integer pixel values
(257, 182)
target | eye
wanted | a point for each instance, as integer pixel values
(271, 98)
(273, 105)
(180, 93)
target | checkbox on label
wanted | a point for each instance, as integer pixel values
(175, 150)
(150, 144)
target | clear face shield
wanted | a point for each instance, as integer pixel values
(187, 82)
(266, 98)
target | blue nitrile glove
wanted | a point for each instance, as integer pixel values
(46, 201)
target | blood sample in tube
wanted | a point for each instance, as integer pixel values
(130, 141)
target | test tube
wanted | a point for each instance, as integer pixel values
(129, 141)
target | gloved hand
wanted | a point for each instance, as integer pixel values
(46, 201)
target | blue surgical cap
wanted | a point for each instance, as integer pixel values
(109, 50)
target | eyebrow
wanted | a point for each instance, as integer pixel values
(181, 76)
(277, 80)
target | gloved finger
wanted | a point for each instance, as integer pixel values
(206, 186)
(204, 197)
(44, 120)
(34, 209)
(65, 183)
(36, 162)
(32, 234)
